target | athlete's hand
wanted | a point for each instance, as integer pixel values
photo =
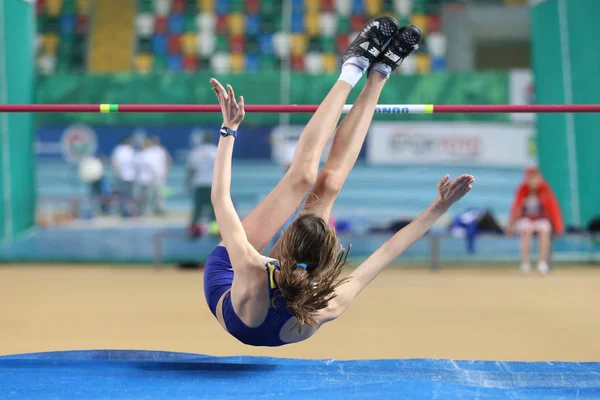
(449, 192)
(233, 111)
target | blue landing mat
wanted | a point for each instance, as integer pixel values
(112, 374)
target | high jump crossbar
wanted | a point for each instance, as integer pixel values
(301, 108)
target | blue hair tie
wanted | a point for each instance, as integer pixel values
(301, 265)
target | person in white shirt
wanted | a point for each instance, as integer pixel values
(160, 159)
(145, 178)
(122, 161)
(200, 166)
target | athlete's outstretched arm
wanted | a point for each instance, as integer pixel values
(232, 231)
(448, 193)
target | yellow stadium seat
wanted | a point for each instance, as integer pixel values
(423, 63)
(206, 6)
(189, 44)
(373, 7)
(330, 62)
(236, 23)
(53, 7)
(143, 63)
(421, 21)
(83, 7)
(237, 62)
(312, 24)
(299, 44)
(312, 5)
(50, 43)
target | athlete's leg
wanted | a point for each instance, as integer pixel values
(268, 217)
(351, 134)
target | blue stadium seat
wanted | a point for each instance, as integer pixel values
(223, 7)
(174, 63)
(252, 24)
(67, 25)
(358, 7)
(176, 24)
(438, 64)
(159, 45)
(297, 23)
(266, 43)
(252, 63)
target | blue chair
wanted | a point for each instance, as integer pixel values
(358, 7)
(438, 64)
(176, 24)
(252, 63)
(223, 7)
(67, 25)
(297, 23)
(297, 6)
(174, 63)
(252, 24)
(266, 43)
(159, 45)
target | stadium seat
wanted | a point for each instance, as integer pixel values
(50, 43)
(252, 24)
(159, 63)
(159, 45)
(188, 44)
(206, 43)
(423, 63)
(328, 23)
(343, 25)
(403, 7)
(314, 63)
(220, 63)
(190, 63)
(83, 7)
(298, 23)
(331, 62)
(81, 24)
(174, 63)
(236, 23)
(53, 7)
(312, 6)
(162, 8)
(438, 64)
(281, 44)
(436, 44)
(206, 22)
(144, 25)
(174, 45)
(373, 8)
(237, 44)
(358, 7)
(265, 42)
(434, 23)
(327, 6)
(222, 44)
(222, 7)
(189, 23)
(341, 43)
(67, 25)
(252, 63)
(221, 25)
(143, 63)
(357, 22)
(312, 24)
(176, 24)
(408, 67)
(343, 7)
(178, 7)
(46, 64)
(299, 44)
(252, 6)
(206, 6)
(421, 21)
(237, 62)
(298, 63)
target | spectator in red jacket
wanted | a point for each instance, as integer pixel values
(535, 210)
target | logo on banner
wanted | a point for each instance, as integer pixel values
(78, 142)
(451, 146)
(391, 110)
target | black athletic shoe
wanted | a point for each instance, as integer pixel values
(373, 39)
(401, 46)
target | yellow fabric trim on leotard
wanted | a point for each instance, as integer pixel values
(271, 267)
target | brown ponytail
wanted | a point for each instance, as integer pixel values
(308, 288)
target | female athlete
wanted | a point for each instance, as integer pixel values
(286, 297)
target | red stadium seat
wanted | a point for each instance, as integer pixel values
(160, 26)
(252, 6)
(435, 23)
(327, 5)
(237, 44)
(357, 22)
(190, 64)
(221, 27)
(174, 44)
(81, 24)
(298, 63)
(341, 43)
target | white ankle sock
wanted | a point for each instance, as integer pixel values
(353, 69)
(382, 68)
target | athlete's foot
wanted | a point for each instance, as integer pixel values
(368, 45)
(543, 268)
(405, 42)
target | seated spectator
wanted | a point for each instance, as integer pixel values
(535, 210)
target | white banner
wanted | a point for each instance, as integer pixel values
(480, 144)
(522, 91)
